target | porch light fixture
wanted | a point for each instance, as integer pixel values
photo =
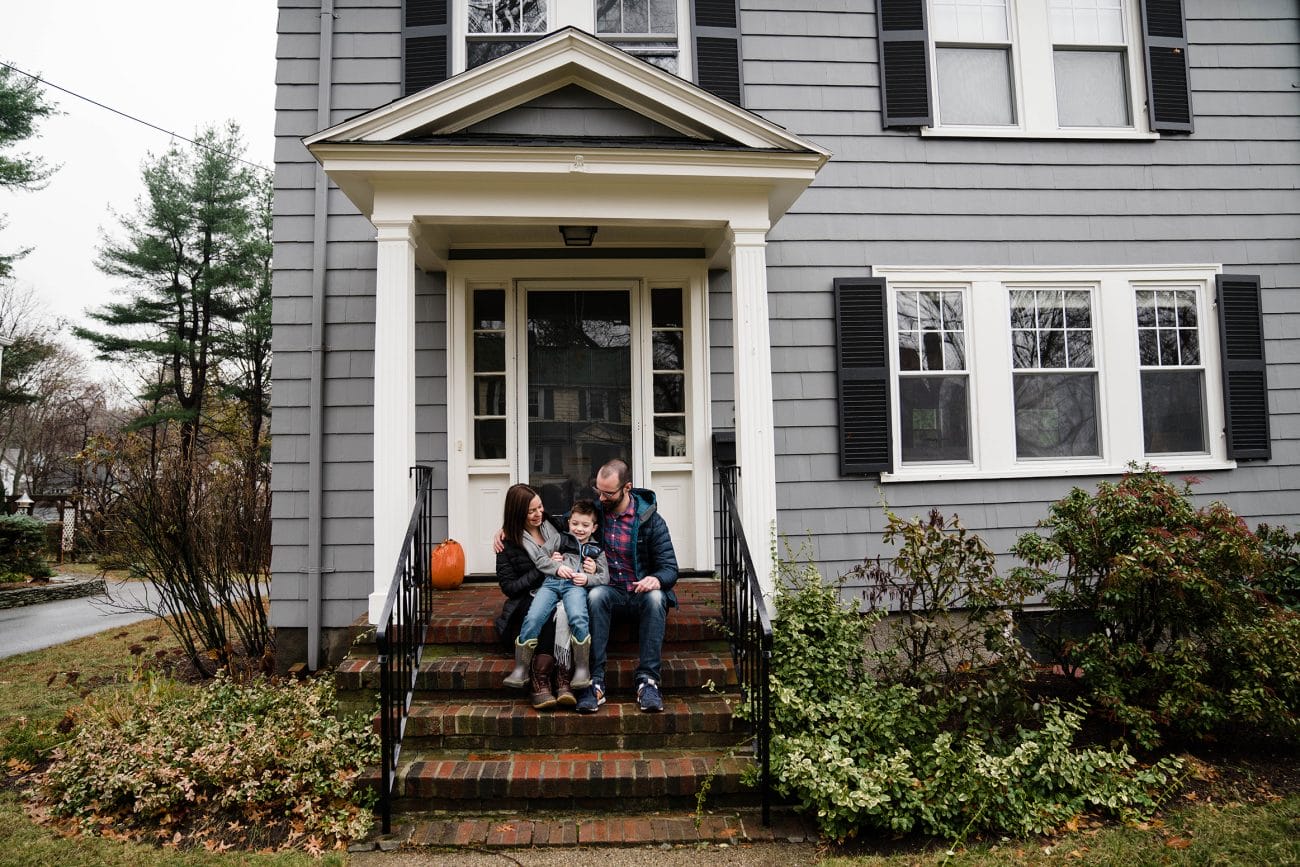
(578, 236)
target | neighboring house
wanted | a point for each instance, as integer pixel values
(952, 253)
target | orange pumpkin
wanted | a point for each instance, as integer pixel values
(447, 565)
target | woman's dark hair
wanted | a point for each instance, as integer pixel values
(515, 517)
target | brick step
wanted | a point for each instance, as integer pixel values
(684, 670)
(498, 830)
(465, 615)
(610, 780)
(686, 721)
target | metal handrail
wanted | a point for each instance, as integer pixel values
(749, 628)
(400, 635)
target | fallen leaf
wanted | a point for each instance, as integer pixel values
(1178, 842)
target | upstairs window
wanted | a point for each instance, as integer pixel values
(1040, 68)
(645, 28)
(698, 40)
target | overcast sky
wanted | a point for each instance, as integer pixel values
(177, 64)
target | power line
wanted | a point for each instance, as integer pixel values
(73, 93)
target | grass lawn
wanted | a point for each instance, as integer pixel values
(1234, 833)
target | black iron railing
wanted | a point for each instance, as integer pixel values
(400, 633)
(744, 614)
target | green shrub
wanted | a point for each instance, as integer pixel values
(859, 751)
(251, 753)
(1281, 577)
(1184, 640)
(950, 636)
(22, 547)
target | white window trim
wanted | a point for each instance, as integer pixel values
(572, 13)
(1119, 385)
(1033, 82)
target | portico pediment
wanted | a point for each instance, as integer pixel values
(566, 59)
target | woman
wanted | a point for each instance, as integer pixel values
(518, 578)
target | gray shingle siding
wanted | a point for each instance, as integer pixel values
(1226, 194)
(365, 74)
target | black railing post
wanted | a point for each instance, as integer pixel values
(744, 614)
(400, 635)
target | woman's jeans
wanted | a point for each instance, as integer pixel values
(575, 606)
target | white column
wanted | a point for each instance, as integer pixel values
(394, 424)
(752, 354)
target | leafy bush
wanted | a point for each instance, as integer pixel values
(22, 547)
(951, 637)
(1281, 579)
(1184, 639)
(859, 751)
(252, 753)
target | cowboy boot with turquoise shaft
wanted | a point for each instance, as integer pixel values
(523, 658)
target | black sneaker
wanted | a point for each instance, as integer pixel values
(648, 697)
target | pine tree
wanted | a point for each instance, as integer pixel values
(22, 105)
(191, 254)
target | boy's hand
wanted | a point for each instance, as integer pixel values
(579, 579)
(566, 573)
(589, 566)
(499, 542)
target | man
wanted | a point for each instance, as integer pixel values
(642, 572)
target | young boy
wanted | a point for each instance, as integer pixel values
(576, 547)
(561, 559)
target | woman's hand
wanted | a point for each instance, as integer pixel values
(557, 556)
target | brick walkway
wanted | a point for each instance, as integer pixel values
(501, 832)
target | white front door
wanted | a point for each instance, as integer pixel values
(558, 375)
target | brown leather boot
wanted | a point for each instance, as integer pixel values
(543, 667)
(563, 692)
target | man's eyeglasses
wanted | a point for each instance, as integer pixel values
(609, 495)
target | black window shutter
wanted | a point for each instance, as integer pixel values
(862, 361)
(426, 44)
(1169, 93)
(717, 47)
(904, 63)
(1245, 385)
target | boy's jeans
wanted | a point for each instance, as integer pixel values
(649, 610)
(575, 606)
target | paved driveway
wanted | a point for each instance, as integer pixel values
(33, 627)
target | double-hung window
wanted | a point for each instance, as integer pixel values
(1008, 372)
(649, 29)
(698, 40)
(1040, 68)
(1054, 376)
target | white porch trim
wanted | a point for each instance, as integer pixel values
(394, 417)
(751, 344)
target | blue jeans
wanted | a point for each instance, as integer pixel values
(575, 606)
(650, 610)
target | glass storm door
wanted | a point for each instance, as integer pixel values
(579, 390)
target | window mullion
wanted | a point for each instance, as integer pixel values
(1032, 56)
